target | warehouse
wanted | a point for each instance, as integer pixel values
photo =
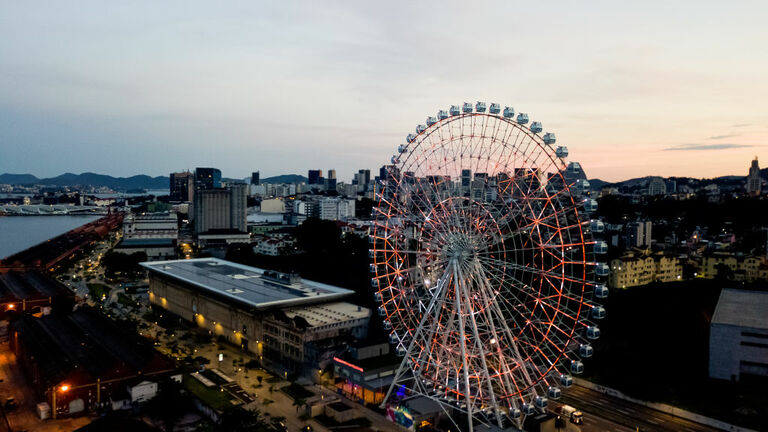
(290, 323)
(738, 336)
(30, 293)
(78, 361)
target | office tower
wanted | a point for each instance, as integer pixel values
(754, 182)
(657, 186)
(313, 176)
(238, 206)
(221, 209)
(331, 174)
(383, 173)
(207, 178)
(255, 178)
(361, 179)
(212, 210)
(638, 234)
(365, 176)
(182, 186)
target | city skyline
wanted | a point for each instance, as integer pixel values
(645, 90)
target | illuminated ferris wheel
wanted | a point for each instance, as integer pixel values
(482, 259)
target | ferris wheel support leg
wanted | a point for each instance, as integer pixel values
(463, 345)
(482, 358)
(440, 294)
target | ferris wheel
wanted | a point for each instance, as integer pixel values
(483, 262)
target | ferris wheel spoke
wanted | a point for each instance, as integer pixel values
(561, 275)
(510, 340)
(542, 300)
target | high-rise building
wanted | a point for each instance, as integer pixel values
(207, 178)
(657, 186)
(363, 178)
(313, 176)
(182, 186)
(255, 178)
(331, 174)
(638, 234)
(238, 206)
(212, 209)
(221, 209)
(754, 182)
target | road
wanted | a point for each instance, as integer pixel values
(595, 404)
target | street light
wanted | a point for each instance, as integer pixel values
(65, 388)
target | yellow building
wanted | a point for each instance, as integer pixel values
(636, 269)
(743, 269)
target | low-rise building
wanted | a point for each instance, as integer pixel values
(76, 361)
(741, 268)
(30, 293)
(154, 234)
(738, 336)
(642, 268)
(365, 371)
(290, 323)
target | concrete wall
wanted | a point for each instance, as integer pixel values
(733, 350)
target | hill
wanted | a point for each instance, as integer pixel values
(286, 178)
(89, 179)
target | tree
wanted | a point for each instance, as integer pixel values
(237, 419)
(298, 403)
(116, 263)
(169, 405)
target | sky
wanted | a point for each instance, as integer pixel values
(671, 88)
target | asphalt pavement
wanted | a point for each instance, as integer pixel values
(635, 417)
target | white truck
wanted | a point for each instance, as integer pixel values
(574, 415)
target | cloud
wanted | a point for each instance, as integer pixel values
(722, 146)
(742, 125)
(719, 137)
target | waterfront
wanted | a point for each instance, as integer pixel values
(21, 232)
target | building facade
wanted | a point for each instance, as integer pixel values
(182, 186)
(754, 182)
(637, 269)
(738, 341)
(207, 178)
(290, 323)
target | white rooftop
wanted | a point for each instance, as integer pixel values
(250, 286)
(329, 313)
(742, 308)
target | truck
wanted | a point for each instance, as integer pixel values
(574, 415)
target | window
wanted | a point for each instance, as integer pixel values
(755, 335)
(754, 344)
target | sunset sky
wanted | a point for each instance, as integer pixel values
(633, 89)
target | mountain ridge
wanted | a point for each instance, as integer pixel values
(139, 181)
(143, 181)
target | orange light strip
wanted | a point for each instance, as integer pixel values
(357, 368)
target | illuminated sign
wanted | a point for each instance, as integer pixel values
(357, 368)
